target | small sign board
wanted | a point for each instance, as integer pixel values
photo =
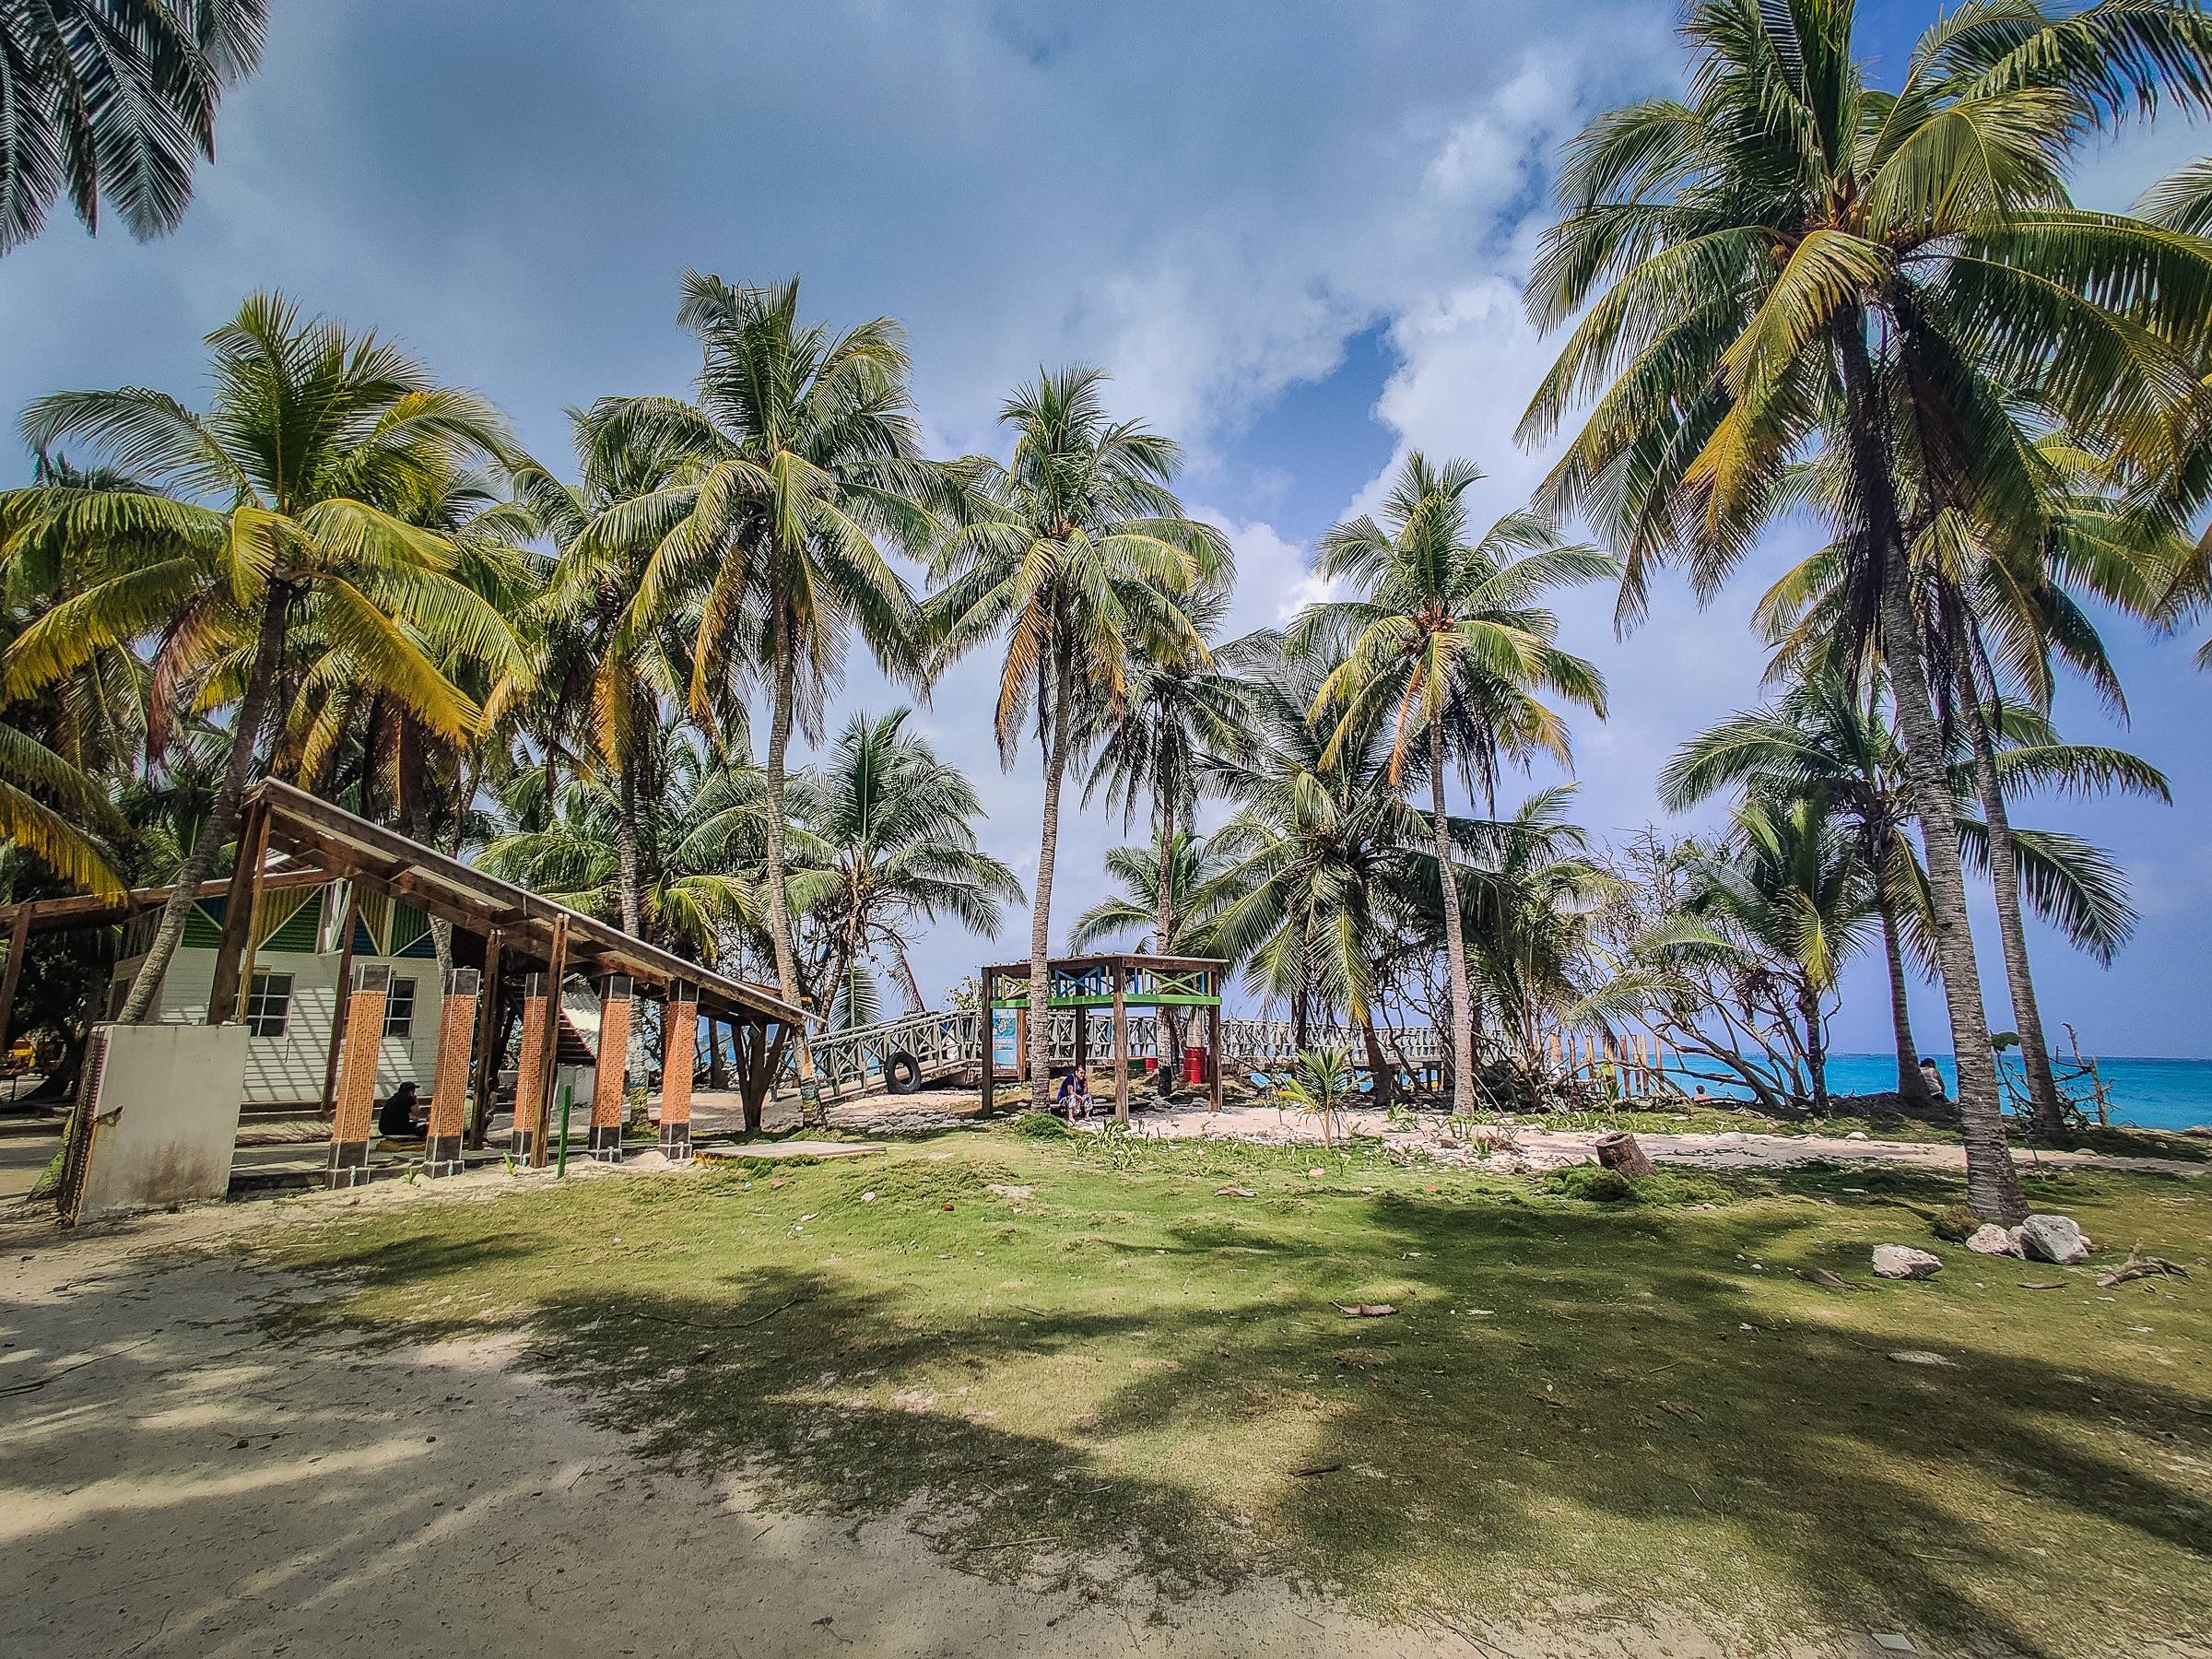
(1006, 1039)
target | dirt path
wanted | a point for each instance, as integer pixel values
(175, 1481)
(1548, 1148)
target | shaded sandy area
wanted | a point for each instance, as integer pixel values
(174, 1480)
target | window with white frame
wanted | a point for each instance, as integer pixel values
(399, 1009)
(269, 1004)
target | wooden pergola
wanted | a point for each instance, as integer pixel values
(502, 930)
(1119, 981)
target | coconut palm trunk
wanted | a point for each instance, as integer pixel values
(1993, 1186)
(2048, 1113)
(1816, 1047)
(140, 1004)
(1456, 944)
(626, 852)
(1168, 1020)
(775, 856)
(1909, 1083)
(1040, 915)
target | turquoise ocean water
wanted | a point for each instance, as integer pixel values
(2151, 1093)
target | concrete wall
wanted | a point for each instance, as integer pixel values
(164, 1117)
(289, 1069)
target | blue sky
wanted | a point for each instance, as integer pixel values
(1293, 232)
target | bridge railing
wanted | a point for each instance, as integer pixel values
(939, 1040)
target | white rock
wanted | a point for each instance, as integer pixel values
(2052, 1239)
(1903, 1262)
(1989, 1239)
(1918, 1357)
(1856, 1135)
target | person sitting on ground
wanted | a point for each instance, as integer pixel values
(1931, 1078)
(396, 1113)
(1074, 1098)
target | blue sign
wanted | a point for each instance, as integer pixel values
(1005, 1035)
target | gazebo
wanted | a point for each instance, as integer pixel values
(1119, 982)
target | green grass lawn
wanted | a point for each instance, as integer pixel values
(1630, 1401)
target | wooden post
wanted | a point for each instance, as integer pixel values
(19, 941)
(988, 1015)
(341, 999)
(679, 1026)
(1213, 1037)
(557, 970)
(1083, 1039)
(610, 1076)
(488, 1033)
(354, 1116)
(234, 955)
(449, 1079)
(1119, 970)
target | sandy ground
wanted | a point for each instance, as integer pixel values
(175, 1481)
(1537, 1149)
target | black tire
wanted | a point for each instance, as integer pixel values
(901, 1074)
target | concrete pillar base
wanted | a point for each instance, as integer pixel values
(606, 1144)
(441, 1156)
(520, 1144)
(676, 1142)
(348, 1163)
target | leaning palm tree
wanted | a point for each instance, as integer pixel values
(893, 829)
(1447, 641)
(114, 98)
(1792, 258)
(1077, 551)
(283, 523)
(804, 451)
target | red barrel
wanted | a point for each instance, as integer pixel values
(1194, 1065)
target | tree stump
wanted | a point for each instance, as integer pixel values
(1620, 1151)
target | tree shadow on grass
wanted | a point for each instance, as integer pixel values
(1609, 1400)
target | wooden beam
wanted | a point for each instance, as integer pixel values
(345, 1001)
(234, 955)
(1213, 1038)
(1120, 974)
(19, 941)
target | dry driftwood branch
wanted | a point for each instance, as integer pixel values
(1364, 1310)
(2139, 1265)
(1826, 1280)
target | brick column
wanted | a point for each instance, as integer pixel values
(610, 1076)
(355, 1108)
(681, 1016)
(529, 1073)
(449, 1085)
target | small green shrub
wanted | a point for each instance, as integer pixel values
(1955, 1224)
(1664, 1190)
(1041, 1125)
(1597, 1185)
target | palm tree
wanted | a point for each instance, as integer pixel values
(1078, 551)
(604, 681)
(1532, 889)
(894, 832)
(804, 450)
(36, 788)
(1321, 1084)
(1448, 642)
(114, 98)
(284, 516)
(1792, 257)
(1186, 707)
(1823, 737)
(1190, 866)
(700, 836)
(1792, 894)
(1321, 873)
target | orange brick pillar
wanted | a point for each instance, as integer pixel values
(354, 1105)
(529, 1072)
(449, 1085)
(610, 1074)
(679, 1042)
